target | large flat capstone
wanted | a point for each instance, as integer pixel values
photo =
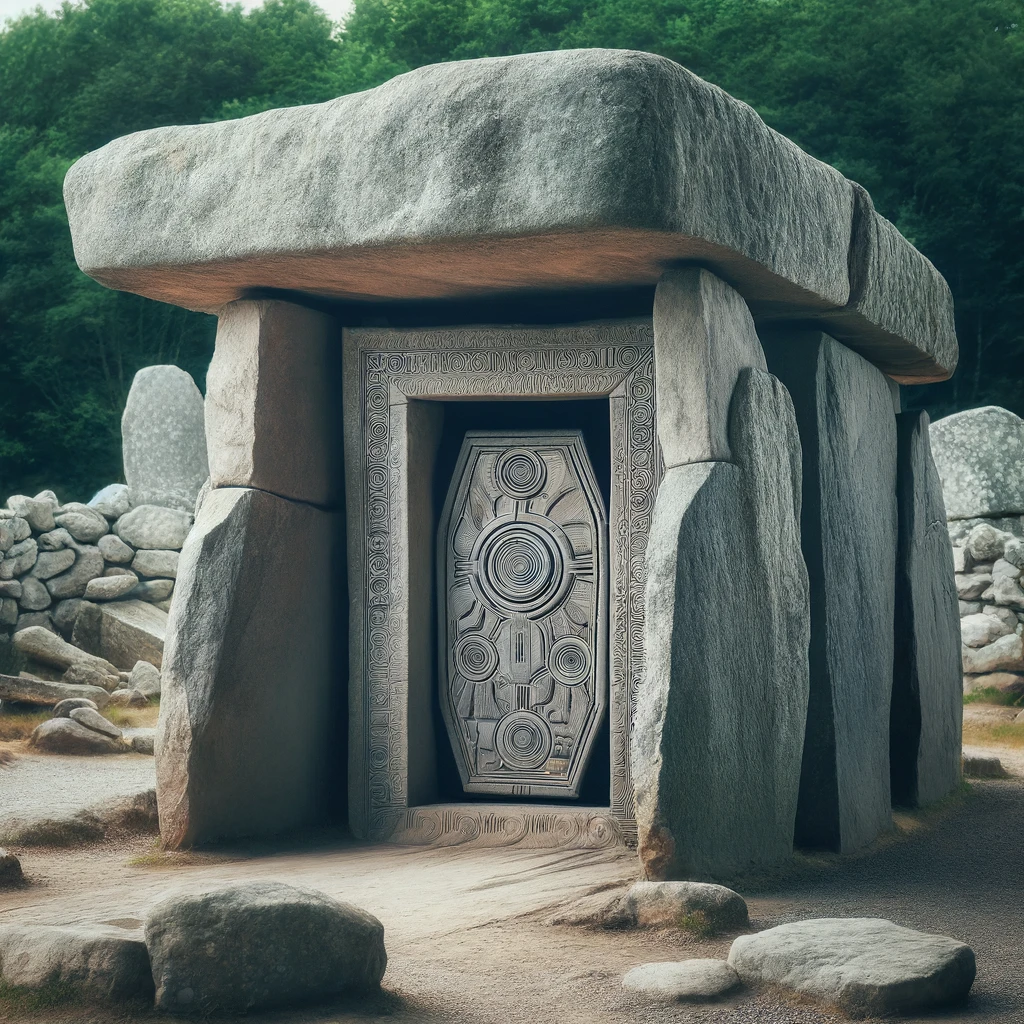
(865, 966)
(545, 171)
(257, 945)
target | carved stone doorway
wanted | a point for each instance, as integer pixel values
(522, 598)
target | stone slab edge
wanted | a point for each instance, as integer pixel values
(366, 197)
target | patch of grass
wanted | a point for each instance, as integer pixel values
(697, 924)
(19, 725)
(994, 734)
(990, 695)
(158, 857)
(133, 718)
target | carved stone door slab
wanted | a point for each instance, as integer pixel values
(522, 573)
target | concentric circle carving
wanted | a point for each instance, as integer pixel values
(523, 740)
(520, 473)
(522, 566)
(476, 658)
(569, 660)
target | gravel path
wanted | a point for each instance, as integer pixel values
(467, 932)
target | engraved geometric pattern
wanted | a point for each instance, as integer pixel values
(385, 368)
(522, 588)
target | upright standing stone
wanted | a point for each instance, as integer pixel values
(718, 732)
(248, 674)
(844, 409)
(163, 438)
(926, 717)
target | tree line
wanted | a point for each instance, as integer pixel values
(921, 101)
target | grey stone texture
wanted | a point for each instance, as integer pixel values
(253, 620)
(38, 514)
(273, 415)
(19, 559)
(383, 210)
(109, 588)
(88, 566)
(156, 563)
(844, 409)
(53, 563)
(153, 526)
(145, 678)
(163, 440)
(86, 674)
(695, 906)
(926, 714)
(123, 632)
(979, 454)
(10, 870)
(92, 719)
(111, 501)
(66, 706)
(716, 761)
(686, 981)
(68, 736)
(258, 945)
(43, 646)
(114, 550)
(95, 962)
(866, 967)
(84, 523)
(703, 337)
(46, 693)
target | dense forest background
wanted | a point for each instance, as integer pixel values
(922, 101)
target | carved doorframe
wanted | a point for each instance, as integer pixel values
(392, 378)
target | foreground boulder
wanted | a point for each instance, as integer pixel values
(95, 962)
(260, 944)
(692, 906)
(688, 981)
(866, 967)
(68, 736)
(10, 870)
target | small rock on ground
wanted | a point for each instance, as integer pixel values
(690, 906)
(979, 767)
(687, 981)
(10, 870)
(92, 719)
(866, 967)
(66, 736)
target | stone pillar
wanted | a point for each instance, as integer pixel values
(844, 409)
(719, 723)
(926, 717)
(252, 732)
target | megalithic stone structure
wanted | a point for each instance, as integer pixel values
(580, 245)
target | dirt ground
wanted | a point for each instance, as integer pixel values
(468, 936)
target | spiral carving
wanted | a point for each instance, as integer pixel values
(476, 658)
(569, 660)
(522, 568)
(520, 473)
(523, 740)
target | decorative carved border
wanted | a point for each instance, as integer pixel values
(386, 367)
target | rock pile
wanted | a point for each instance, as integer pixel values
(988, 565)
(77, 727)
(55, 557)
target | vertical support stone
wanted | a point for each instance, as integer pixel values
(718, 732)
(703, 337)
(273, 402)
(245, 737)
(844, 409)
(927, 704)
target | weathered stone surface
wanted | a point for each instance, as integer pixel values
(978, 766)
(972, 585)
(128, 698)
(8, 611)
(153, 590)
(67, 736)
(703, 338)
(1008, 682)
(980, 629)
(92, 719)
(52, 650)
(258, 945)
(985, 543)
(10, 870)
(63, 830)
(1004, 654)
(55, 540)
(35, 620)
(136, 812)
(84, 523)
(10, 588)
(253, 619)
(979, 453)
(38, 514)
(1007, 616)
(156, 563)
(13, 531)
(547, 210)
(109, 588)
(163, 440)
(66, 706)
(687, 981)
(926, 715)
(34, 595)
(271, 411)
(716, 764)
(697, 906)
(144, 742)
(844, 409)
(123, 632)
(145, 678)
(150, 526)
(96, 962)
(52, 563)
(85, 674)
(866, 967)
(113, 549)
(19, 559)
(111, 501)
(960, 529)
(88, 565)
(64, 615)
